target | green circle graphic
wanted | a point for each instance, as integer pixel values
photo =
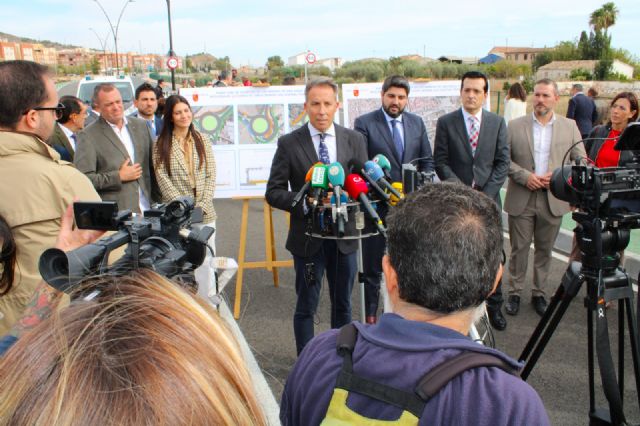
(260, 125)
(209, 123)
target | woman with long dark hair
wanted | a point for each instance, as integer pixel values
(185, 166)
(515, 102)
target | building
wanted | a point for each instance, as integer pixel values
(9, 51)
(468, 60)
(519, 55)
(298, 59)
(331, 63)
(561, 70)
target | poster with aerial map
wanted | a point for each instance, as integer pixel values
(429, 100)
(243, 125)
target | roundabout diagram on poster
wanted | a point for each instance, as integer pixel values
(260, 124)
(215, 121)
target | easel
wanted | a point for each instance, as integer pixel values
(270, 263)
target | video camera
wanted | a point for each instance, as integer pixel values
(160, 240)
(412, 179)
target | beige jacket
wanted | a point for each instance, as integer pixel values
(520, 138)
(179, 183)
(35, 189)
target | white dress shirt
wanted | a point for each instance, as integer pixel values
(399, 124)
(329, 140)
(467, 122)
(68, 133)
(542, 144)
(125, 137)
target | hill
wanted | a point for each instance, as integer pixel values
(46, 43)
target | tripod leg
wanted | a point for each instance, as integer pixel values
(633, 341)
(569, 287)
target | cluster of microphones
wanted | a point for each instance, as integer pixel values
(366, 183)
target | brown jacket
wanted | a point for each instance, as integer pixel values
(179, 183)
(520, 138)
(35, 189)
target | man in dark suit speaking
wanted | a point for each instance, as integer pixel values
(401, 137)
(319, 140)
(115, 154)
(471, 147)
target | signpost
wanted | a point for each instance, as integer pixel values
(309, 59)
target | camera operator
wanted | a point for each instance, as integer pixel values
(45, 298)
(36, 185)
(132, 348)
(433, 305)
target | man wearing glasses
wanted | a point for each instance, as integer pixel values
(35, 185)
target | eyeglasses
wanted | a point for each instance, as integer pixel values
(58, 110)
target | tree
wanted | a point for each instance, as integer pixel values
(542, 58)
(95, 65)
(274, 62)
(604, 17)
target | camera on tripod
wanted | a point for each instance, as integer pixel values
(412, 179)
(160, 240)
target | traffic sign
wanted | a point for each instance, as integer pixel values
(310, 58)
(172, 62)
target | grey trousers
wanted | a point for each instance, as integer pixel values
(536, 223)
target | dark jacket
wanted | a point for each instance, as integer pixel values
(397, 353)
(596, 139)
(583, 110)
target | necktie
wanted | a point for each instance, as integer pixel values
(323, 151)
(397, 139)
(74, 138)
(473, 134)
(151, 125)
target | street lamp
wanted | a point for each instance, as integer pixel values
(114, 30)
(171, 52)
(104, 47)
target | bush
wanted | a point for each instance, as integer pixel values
(580, 74)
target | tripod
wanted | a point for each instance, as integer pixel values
(606, 282)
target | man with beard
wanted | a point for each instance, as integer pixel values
(401, 137)
(538, 144)
(471, 148)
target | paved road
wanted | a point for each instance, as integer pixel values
(266, 321)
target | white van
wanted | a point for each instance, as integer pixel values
(122, 83)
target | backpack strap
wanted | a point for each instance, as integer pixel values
(439, 376)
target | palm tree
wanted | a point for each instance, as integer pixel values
(604, 17)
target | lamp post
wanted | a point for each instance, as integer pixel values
(104, 47)
(171, 52)
(114, 30)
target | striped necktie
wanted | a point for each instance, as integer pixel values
(323, 151)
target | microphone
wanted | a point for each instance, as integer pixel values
(357, 189)
(336, 179)
(357, 167)
(375, 172)
(305, 187)
(398, 186)
(319, 182)
(384, 164)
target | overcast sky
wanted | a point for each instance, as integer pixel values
(249, 31)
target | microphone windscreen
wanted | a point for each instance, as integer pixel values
(336, 174)
(354, 185)
(307, 178)
(319, 176)
(355, 166)
(382, 161)
(373, 171)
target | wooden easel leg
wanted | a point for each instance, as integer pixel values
(266, 212)
(241, 257)
(276, 278)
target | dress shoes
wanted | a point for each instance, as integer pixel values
(539, 304)
(497, 320)
(371, 319)
(513, 305)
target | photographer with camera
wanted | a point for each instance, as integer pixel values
(36, 185)
(433, 306)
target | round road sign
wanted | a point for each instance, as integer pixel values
(172, 62)
(310, 58)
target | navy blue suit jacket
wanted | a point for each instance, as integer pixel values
(583, 110)
(375, 129)
(158, 123)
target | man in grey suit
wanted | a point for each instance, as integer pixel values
(538, 144)
(297, 152)
(401, 137)
(115, 154)
(64, 138)
(471, 148)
